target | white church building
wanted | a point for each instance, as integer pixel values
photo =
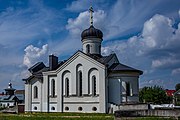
(86, 82)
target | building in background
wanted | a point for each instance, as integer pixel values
(170, 93)
(11, 97)
(86, 82)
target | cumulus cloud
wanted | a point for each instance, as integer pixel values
(158, 46)
(34, 54)
(77, 25)
(78, 5)
(176, 71)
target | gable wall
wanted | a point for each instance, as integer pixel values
(89, 68)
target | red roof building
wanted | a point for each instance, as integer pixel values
(170, 92)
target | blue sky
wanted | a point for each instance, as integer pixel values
(145, 34)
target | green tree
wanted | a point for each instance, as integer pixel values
(177, 87)
(154, 94)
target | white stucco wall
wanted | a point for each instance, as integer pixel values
(51, 105)
(117, 88)
(28, 94)
(86, 107)
(110, 88)
(89, 67)
(8, 103)
(50, 85)
(36, 102)
(134, 83)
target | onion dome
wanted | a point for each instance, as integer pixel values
(91, 32)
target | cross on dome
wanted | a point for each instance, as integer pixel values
(91, 15)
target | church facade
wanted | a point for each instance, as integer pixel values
(86, 82)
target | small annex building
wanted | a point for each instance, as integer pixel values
(86, 82)
(8, 99)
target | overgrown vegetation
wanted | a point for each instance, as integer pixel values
(177, 87)
(155, 95)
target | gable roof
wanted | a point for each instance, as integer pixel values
(8, 98)
(38, 66)
(106, 59)
(37, 74)
(170, 92)
(38, 69)
(121, 67)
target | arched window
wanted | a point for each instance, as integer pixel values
(35, 92)
(53, 88)
(79, 84)
(99, 49)
(94, 85)
(67, 87)
(87, 48)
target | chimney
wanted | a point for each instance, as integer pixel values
(53, 62)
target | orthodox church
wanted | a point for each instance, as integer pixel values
(86, 82)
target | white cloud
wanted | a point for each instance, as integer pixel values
(158, 63)
(78, 5)
(157, 31)
(77, 25)
(176, 71)
(155, 50)
(34, 54)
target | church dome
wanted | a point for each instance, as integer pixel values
(91, 32)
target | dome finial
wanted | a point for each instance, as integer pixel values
(10, 84)
(91, 15)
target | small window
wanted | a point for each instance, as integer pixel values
(7, 104)
(94, 108)
(35, 108)
(99, 49)
(79, 83)
(1, 104)
(80, 108)
(66, 87)
(52, 108)
(53, 88)
(35, 92)
(87, 48)
(94, 85)
(66, 108)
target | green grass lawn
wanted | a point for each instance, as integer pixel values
(56, 116)
(69, 116)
